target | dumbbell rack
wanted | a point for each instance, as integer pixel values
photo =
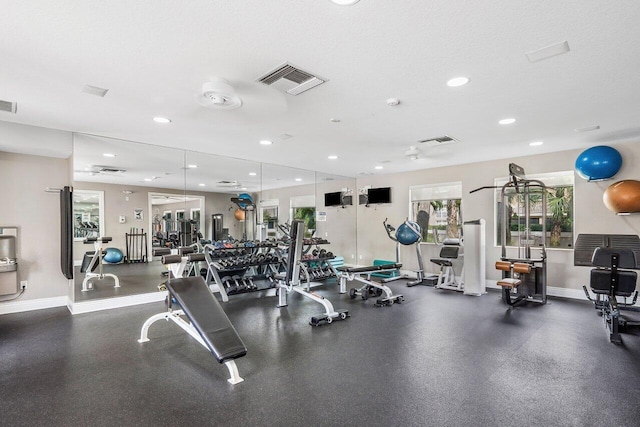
(315, 262)
(242, 269)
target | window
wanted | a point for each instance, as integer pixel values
(559, 223)
(195, 219)
(437, 209)
(303, 207)
(88, 213)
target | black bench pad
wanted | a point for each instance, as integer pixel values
(207, 317)
(369, 269)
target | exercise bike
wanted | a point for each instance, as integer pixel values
(408, 233)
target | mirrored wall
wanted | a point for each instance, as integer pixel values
(144, 197)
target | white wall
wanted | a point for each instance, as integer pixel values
(591, 216)
(25, 204)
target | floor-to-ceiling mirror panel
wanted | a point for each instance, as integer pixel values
(119, 187)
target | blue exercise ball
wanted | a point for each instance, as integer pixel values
(247, 197)
(408, 233)
(113, 256)
(598, 163)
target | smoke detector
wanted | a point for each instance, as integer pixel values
(392, 102)
(413, 153)
(218, 93)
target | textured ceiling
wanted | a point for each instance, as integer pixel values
(154, 56)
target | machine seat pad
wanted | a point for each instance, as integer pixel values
(601, 282)
(370, 268)
(207, 317)
(442, 262)
(509, 282)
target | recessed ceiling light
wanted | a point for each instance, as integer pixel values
(379, 167)
(536, 143)
(202, 184)
(332, 157)
(243, 188)
(458, 81)
(345, 2)
(334, 120)
(266, 142)
(148, 179)
(192, 166)
(507, 121)
(252, 174)
(298, 179)
(109, 155)
(161, 120)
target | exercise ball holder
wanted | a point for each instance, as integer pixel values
(400, 239)
(245, 204)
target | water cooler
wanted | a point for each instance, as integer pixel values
(8, 264)
(474, 257)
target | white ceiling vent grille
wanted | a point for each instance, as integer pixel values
(440, 140)
(9, 107)
(108, 169)
(291, 79)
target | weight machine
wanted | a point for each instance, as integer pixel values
(524, 277)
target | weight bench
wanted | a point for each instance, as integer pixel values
(208, 323)
(369, 287)
(93, 260)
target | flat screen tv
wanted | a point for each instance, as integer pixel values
(379, 195)
(333, 199)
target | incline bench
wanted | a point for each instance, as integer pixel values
(208, 323)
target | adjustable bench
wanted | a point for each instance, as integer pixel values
(369, 287)
(93, 260)
(208, 323)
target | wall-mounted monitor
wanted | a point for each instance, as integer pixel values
(333, 199)
(379, 195)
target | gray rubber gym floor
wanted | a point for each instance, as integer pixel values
(439, 359)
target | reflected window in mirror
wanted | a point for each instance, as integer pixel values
(269, 217)
(88, 214)
(303, 207)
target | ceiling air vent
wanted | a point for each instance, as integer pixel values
(291, 79)
(9, 107)
(108, 169)
(441, 140)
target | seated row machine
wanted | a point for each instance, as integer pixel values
(449, 252)
(613, 278)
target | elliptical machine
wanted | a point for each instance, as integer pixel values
(407, 234)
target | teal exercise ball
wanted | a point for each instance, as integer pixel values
(113, 256)
(408, 233)
(598, 163)
(247, 197)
